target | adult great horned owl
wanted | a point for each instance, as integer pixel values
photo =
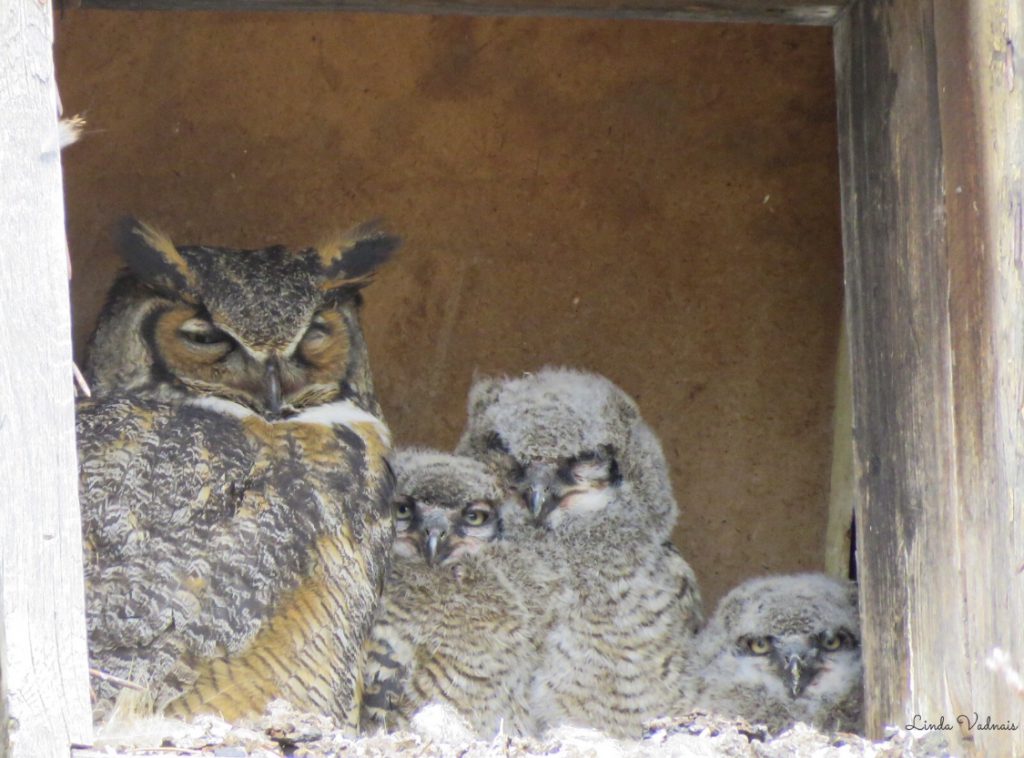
(233, 479)
(593, 479)
(782, 649)
(462, 613)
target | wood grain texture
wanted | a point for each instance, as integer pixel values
(931, 153)
(44, 699)
(821, 13)
(982, 117)
(838, 537)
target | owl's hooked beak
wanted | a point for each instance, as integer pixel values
(431, 548)
(799, 668)
(793, 671)
(536, 497)
(535, 486)
(435, 542)
(272, 386)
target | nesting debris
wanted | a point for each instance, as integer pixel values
(204, 735)
(701, 723)
(437, 731)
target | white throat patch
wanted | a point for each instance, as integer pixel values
(340, 413)
(221, 405)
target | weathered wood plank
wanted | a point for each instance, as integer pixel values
(838, 538)
(982, 116)
(44, 694)
(820, 13)
(931, 154)
(899, 464)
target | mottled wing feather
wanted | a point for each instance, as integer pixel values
(245, 553)
(388, 657)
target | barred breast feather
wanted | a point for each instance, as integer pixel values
(470, 642)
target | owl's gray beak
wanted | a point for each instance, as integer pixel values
(435, 532)
(793, 670)
(799, 668)
(272, 386)
(430, 548)
(535, 488)
(536, 497)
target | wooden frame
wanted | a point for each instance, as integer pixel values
(931, 127)
(931, 130)
(44, 686)
(839, 542)
(821, 13)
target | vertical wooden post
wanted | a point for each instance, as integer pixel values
(931, 119)
(44, 696)
(838, 540)
(981, 82)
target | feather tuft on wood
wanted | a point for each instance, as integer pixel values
(69, 130)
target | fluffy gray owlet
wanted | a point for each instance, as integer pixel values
(459, 623)
(233, 481)
(782, 649)
(598, 506)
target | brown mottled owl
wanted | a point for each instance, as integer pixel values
(592, 478)
(782, 649)
(234, 487)
(462, 616)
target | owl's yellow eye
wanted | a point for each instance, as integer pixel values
(759, 645)
(403, 510)
(830, 641)
(475, 516)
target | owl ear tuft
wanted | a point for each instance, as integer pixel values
(154, 259)
(627, 407)
(482, 394)
(353, 259)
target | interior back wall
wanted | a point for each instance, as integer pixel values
(654, 201)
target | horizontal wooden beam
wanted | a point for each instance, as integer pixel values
(821, 13)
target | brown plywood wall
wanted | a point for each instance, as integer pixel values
(654, 201)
